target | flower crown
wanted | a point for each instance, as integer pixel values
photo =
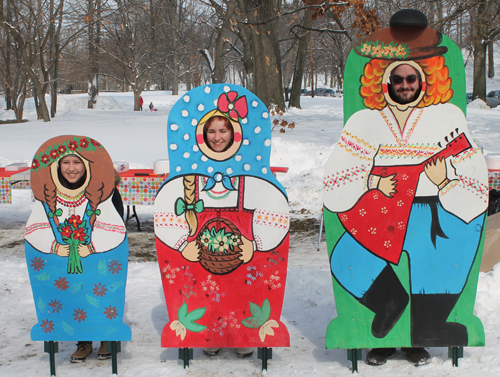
(57, 151)
(382, 50)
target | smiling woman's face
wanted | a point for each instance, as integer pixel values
(72, 168)
(219, 135)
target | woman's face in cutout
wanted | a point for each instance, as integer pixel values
(219, 135)
(72, 168)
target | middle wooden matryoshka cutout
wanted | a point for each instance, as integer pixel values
(221, 224)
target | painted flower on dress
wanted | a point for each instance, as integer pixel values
(37, 264)
(114, 266)
(55, 305)
(61, 284)
(80, 315)
(47, 326)
(99, 290)
(111, 312)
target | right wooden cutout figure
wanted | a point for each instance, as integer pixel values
(405, 195)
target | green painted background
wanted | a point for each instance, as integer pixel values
(352, 327)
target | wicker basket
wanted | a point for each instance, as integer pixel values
(220, 263)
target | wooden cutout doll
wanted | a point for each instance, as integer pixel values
(221, 224)
(76, 244)
(405, 192)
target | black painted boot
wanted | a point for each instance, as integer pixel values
(388, 299)
(428, 321)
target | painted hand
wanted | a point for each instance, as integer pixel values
(246, 250)
(191, 252)
(83, 250)
(388, 185)
(62, 250)
(436, 170)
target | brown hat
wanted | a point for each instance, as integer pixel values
(407, 38)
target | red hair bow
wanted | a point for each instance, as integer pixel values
(236, 107)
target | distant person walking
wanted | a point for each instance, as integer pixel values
(141, 102)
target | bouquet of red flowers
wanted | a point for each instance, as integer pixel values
(73, 232)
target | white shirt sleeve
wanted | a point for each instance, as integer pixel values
(271, 218)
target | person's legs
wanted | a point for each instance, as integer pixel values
(103, 353)
(378, 356)
(244, 352)
(417, 356)
(211, 351)
(82, 351)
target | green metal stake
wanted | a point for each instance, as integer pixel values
(354, 355)
(186, 354)
(264, 354)
(114, 347)
(51, 348)
(455, 353)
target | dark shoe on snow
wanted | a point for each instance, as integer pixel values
(417, 356)
(378, 356)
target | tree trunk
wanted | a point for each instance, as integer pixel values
(479, 84)
(300, 61)
(265, 52)
(491, 61)
(218, 69)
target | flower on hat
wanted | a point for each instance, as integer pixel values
(232, 105)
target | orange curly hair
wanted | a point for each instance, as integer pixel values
(436, 76)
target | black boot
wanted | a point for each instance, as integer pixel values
(428, 322)
(388, 299)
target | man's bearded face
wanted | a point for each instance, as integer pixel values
(405, 84)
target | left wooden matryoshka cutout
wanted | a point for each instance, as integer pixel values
(76, 245)
(221, 225)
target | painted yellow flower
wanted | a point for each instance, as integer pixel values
(179, 328)
(267, 329)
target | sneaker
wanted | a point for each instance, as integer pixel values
(211, 351)
(82, 351)
(244, 352)
(103, 353)
(378, 356)
(417, 356)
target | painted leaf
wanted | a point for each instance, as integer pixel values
(259, 315)
(75, 288)
(40, 304)
(68, 329)
(196, 314)
(188, 319)
(92, 301)
(181, 313)
(113, 287)
(110, 330)
(101, 267)
(43, 276)
(255, 309)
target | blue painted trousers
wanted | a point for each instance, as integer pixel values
(442, 268)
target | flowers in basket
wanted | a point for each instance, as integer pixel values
(220, 241)
(74, 233)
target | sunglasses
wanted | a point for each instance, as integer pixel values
(396, 79)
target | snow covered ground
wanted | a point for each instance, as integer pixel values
(140, 139)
